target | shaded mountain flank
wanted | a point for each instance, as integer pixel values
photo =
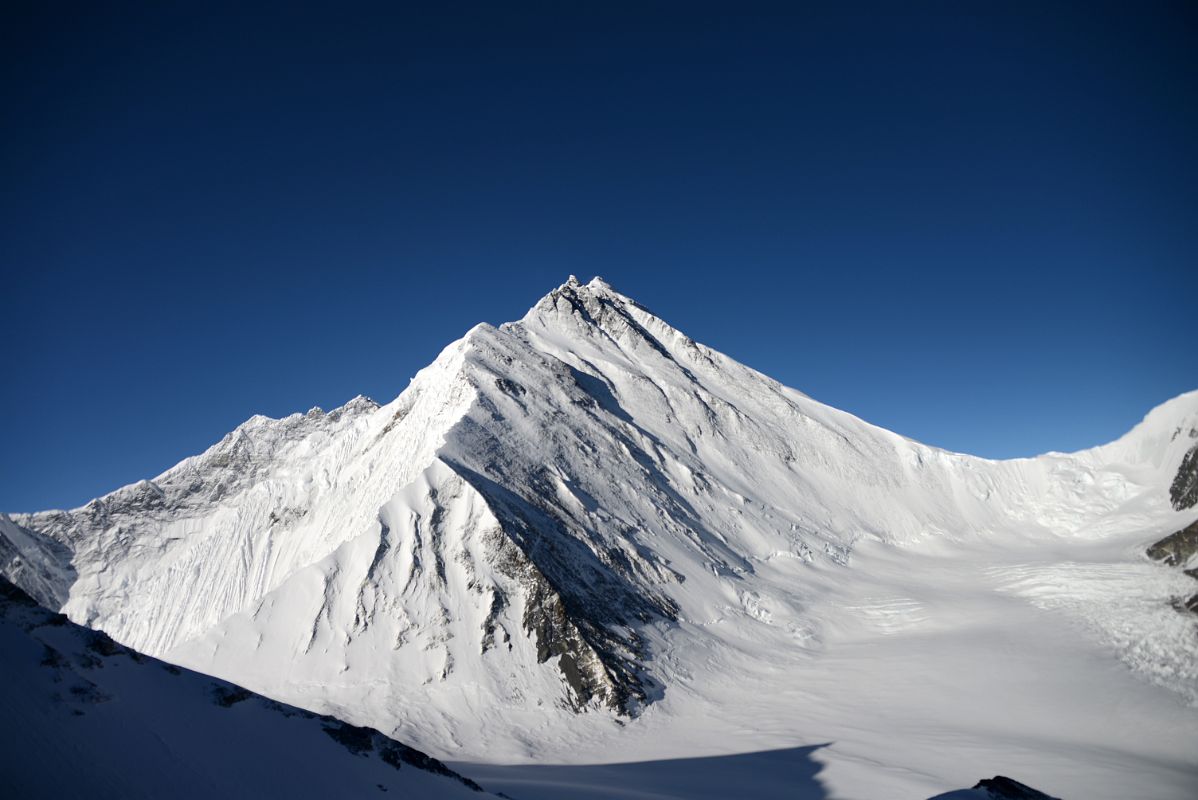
(85, 716)
(584, 536)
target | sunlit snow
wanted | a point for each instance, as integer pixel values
(584, 538)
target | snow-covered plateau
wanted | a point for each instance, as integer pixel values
(583, 538)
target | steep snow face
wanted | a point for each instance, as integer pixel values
(162, 561)
(86, 717)
(36, 562)
(587, 511)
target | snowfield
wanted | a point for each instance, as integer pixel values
(585, 539)
(86, 717)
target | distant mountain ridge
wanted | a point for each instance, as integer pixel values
(588, 511)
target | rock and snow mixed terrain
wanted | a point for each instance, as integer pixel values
(583, 537)
(86, 717)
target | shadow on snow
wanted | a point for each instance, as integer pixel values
(767, 775)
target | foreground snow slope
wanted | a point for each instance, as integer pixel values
(587, 511)
(85, 717)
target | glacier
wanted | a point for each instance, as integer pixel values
(583, 537)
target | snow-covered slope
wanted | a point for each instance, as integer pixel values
(86, 717)
(584, 536)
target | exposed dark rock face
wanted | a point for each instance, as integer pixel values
(364, 741)
(228, 696)
(1184, 490)
(997, 788)
(1189, 604)
(1003, 788)
(1176, 548)
(596, 664)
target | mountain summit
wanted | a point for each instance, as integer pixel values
(584, 535)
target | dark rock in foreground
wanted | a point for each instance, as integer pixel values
(1003, 788)
(997, 788)
(127, 725)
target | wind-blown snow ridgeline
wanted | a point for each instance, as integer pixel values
(583, 536)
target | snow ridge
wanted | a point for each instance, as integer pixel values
(570, 530)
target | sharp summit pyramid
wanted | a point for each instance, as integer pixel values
(583, 536)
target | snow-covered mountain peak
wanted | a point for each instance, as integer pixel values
(576, 298)
(594, 283)
(586, 510)
(1173, 421)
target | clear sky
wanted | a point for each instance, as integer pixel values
(973, 223)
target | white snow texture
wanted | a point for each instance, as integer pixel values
(585, 538)
(85, 717)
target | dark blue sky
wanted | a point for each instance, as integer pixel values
(972, 223)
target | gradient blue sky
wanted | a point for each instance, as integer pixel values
(972, 223)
